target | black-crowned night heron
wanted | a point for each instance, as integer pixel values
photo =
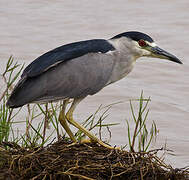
(76, 70)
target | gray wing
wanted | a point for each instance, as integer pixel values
(79, 77)
(65, 53)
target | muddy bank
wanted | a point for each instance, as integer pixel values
(82, 161)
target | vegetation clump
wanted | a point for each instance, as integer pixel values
(63, 160)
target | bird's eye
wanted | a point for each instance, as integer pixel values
(142, 43)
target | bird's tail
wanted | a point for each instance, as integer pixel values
(14, 101)
(26, 91)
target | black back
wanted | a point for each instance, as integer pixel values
(65, 53)
(134, 35)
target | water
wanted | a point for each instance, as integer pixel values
(30, 28)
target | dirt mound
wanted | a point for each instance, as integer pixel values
(82, 161)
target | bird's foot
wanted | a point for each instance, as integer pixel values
(107, 146)
(86, 141)
(72, 144)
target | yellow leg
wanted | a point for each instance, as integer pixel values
(70, 119)
(63, 122)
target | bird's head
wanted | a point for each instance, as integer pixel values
(143, 45)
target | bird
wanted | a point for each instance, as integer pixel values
(79, 69)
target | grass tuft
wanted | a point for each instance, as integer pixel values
(144, 135)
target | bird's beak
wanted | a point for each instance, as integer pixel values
(160, 53)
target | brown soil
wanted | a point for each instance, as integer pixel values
(82, 161)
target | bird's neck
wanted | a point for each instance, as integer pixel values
(123, 61)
